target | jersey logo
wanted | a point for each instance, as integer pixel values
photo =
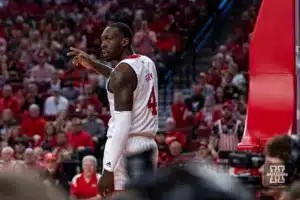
(149, 77)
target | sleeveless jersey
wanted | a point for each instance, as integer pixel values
(145, 97)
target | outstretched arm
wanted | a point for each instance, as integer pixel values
(88, 62)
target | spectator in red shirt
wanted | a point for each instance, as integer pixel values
(85, 184)
(8, 101)
(79, 139)
(92, 98)
(34, 124)
(170, 126)
(175, 146)
(180, 112)
(174, 154)
(70, 73)
(171, 131)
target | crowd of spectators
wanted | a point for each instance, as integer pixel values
(211, 121)
(54, 115)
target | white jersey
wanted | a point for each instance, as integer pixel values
(145, 97)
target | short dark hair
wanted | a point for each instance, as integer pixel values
(124, 29)
(279, 147)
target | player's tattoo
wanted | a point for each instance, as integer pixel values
(102, 69)
(122, 83)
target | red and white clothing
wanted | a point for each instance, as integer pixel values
(81, 139)
(179, 114)
(81, 188)
(144, 115)
(228, 134)
(145, 97)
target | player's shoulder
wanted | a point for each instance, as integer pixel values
(135, 58)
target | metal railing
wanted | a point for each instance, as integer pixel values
(198, 42)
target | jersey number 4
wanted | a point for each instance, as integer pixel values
(152, 103)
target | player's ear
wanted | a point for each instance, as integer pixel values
(125, 42)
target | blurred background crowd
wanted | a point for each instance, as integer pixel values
(53, 115)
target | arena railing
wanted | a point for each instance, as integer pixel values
(208, 29)
(197, 43)
(200, 39)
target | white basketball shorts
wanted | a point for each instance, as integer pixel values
(134, 145)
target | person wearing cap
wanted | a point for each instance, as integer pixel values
(52, 175)
(43, 71)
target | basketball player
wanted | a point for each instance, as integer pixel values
(132, 94)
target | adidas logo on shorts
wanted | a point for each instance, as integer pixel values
(108, 164)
